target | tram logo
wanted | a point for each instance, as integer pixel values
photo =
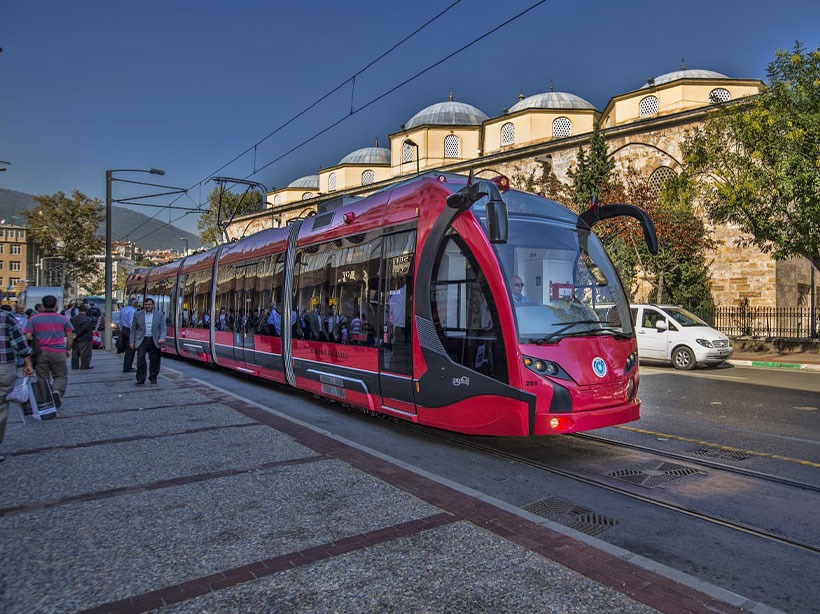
(461, 381)
(599, 366)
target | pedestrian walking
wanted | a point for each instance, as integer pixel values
(148, 330)
(126, 321)
(50, 334)
(83, 335)
(12, 346)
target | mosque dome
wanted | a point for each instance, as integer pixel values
(448, 113)
(308, 182)
(552, 100)
(685, 74)
(367, 155)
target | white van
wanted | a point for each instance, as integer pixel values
(672, 334)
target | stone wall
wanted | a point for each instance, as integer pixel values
(738, 274)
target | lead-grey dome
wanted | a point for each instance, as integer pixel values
(309, 182)
(367, 155)
(448, 113)
(552, 100)
(685, 74)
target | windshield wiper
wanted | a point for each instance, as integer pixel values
(617, 332)
(566, 326)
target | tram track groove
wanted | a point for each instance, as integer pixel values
(699, 462)
(692, 513)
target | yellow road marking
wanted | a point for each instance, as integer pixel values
(788, 459)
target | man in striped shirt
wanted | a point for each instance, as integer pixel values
(52, 336)
(12, 345)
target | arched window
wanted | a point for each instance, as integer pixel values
(307, 195)
(561, 127)
(649, 106)
(368, 177)
(277, 200)
(331, 182)
(508, 134)
(406, 152)
(452, 147)
(659, 177)
(719, 95)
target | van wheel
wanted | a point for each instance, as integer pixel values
(683, 358)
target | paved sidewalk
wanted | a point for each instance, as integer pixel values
(181, 497)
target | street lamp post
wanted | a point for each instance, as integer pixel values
(109, 260)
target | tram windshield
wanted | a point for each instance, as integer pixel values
(561, 282)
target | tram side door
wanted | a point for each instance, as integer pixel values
(243, 315)
(395, 337)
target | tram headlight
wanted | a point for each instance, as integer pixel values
(544, 367)
(631, 361)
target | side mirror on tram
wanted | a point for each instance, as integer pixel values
(598, 213)
(497, 221)
(497, 216)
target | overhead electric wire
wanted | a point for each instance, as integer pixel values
(292, 119)
(371, 101)
(335, 89)
(400, 85)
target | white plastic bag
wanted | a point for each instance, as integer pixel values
(20, 393)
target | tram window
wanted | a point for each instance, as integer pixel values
(271, 279)
(336, 290)
(195, 289)
(396, 325)
(312, 290)
(248, 303)
(350, 291)
(464, 312)
(201, 298)
(237, 299)
(161, 290)
(226, 296)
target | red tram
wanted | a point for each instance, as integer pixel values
(402, 303)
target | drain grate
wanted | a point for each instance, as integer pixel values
(571, 515)
(721, 454)
(653, 473)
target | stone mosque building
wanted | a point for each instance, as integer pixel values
(541, 134)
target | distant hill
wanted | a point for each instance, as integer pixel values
(127, 225)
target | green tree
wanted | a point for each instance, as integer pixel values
(592, 174)
(679, 272)
(541, 181)
(682, 235)
(66, 228)
(756, 163)
(224, 207)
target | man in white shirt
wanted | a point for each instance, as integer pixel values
(148, 332)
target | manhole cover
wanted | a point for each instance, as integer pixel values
(571, 515)
(721, 454)
(652, 473)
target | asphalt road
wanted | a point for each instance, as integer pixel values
(770, 420)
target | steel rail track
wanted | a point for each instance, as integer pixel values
(699, 461)
(692, 513)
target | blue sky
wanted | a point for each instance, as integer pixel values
(189, 85)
